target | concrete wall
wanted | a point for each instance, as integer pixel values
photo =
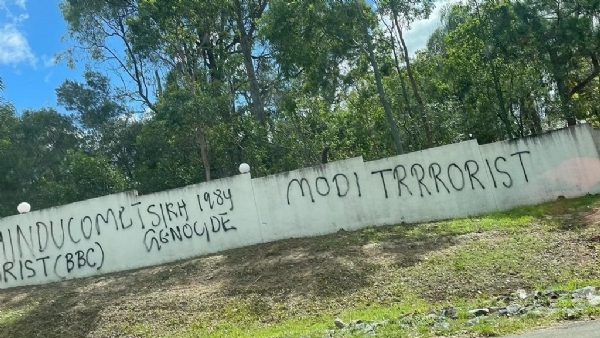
(126, 231)
(533, 170)
(438, 183)
(312, 201)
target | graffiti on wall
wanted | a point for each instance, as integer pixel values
(420, 179)
(423, 180)
(26, 249)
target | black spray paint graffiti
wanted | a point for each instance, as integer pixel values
(458, 177)
(38, 238)
(32, 241)
(159, 238)
(209, 201)
(60, 266)
(323, 187)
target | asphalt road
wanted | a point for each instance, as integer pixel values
(589, 329)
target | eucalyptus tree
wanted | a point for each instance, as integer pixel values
(566, 35)
(316, 38)
(200, 46)
(403, 13)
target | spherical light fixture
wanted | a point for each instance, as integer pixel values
(244, 168)
(24, 208)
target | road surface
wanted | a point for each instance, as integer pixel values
(589, 329)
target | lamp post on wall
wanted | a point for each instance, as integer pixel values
(24, 208)
(244, 168)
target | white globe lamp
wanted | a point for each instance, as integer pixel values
(24, 208)
(244, 168)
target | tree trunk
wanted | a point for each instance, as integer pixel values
(561, 86)
(202, 144)
(401, 78)
(565, 101)
(534, 115)
(502, 103)
(413, 84)
(246, 46)
(381, 91)
(503, 111)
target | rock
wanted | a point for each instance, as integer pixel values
(522, 294)
(594, 300)
(496, 309)
(513, 309)
(584, 292)
(502, 312)
(556, 294)
(479, 312)
(329, 333)
(571, 314)
(432, 316)
(368, 329)
(442, 325)
(526, 309)
(473, 321)
(339, 323)
(450, 312)
(552, 295)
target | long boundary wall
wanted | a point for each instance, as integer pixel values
(126, 231)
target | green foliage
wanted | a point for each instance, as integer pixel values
(81, 177)
(92, 102)
(292, 84)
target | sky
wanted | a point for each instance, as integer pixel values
(30, 39)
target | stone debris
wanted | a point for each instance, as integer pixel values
(513, 309)
(593, 300)
(519, 303)
(339, 323)
(474, 321)
(584, 292)
(479, 312)
(522, 294)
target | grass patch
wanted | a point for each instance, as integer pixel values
(295, 288)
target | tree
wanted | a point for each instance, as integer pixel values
(9, 184)
(32, 147)
(328, 33)
(567, 36)
(101, 28)
(247, 14)
(403, 13)
(80, 177)
(93, 102)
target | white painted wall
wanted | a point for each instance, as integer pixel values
(126, 231)
(438, 183)
(332, 200)
(41, 246)
(539, 169)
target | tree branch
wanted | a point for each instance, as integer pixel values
(587, 80)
